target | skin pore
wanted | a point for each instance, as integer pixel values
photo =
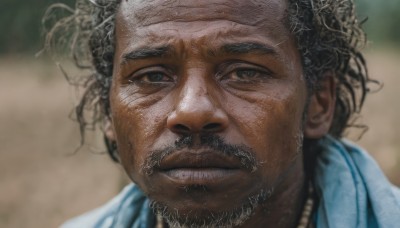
(207, 107)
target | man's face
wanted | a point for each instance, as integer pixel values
(207, 102)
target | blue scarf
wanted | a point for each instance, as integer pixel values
(352, 192)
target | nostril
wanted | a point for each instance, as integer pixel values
(212, 127)
(181, 128)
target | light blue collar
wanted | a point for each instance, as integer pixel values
(352, 192)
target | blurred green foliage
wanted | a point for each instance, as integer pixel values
(20, 23)
(383, 18)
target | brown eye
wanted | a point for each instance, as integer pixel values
(242, 73)
(151, 77)
(154, 77)
(246, 74)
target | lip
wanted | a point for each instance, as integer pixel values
(199, 167)
(199, 159)
(200, 176)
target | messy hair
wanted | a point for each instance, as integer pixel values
(328, 34)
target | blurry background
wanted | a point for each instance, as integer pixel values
(42, 181)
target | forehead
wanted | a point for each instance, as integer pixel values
(247, 12)
(147, 22)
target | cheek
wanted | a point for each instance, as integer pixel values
(271, 125)
(138, 123)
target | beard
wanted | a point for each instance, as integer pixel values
(206, 218)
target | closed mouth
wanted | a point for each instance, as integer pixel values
(199, 167)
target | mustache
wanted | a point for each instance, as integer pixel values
(214, 142)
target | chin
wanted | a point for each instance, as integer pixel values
(200, 214)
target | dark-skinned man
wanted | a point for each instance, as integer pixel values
(229, 113)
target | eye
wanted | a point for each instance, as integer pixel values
(151, 76)
(247, 75)
(244, 74)
(154, 77)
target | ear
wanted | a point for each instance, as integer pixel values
(321, 108)
(110, 140)
(109, 132)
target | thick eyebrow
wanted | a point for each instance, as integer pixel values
(147, 52)
(248, 47)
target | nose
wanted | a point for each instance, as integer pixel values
(196, 111)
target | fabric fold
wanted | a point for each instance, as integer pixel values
(352, 190)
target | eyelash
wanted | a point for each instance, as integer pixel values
(138, 76)
(249, 70)
(232, 68)
(149, 80)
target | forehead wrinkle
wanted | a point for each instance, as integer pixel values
(150, 35)
(143, 13)
(233, 31)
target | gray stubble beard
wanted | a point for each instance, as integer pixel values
(226, 219)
